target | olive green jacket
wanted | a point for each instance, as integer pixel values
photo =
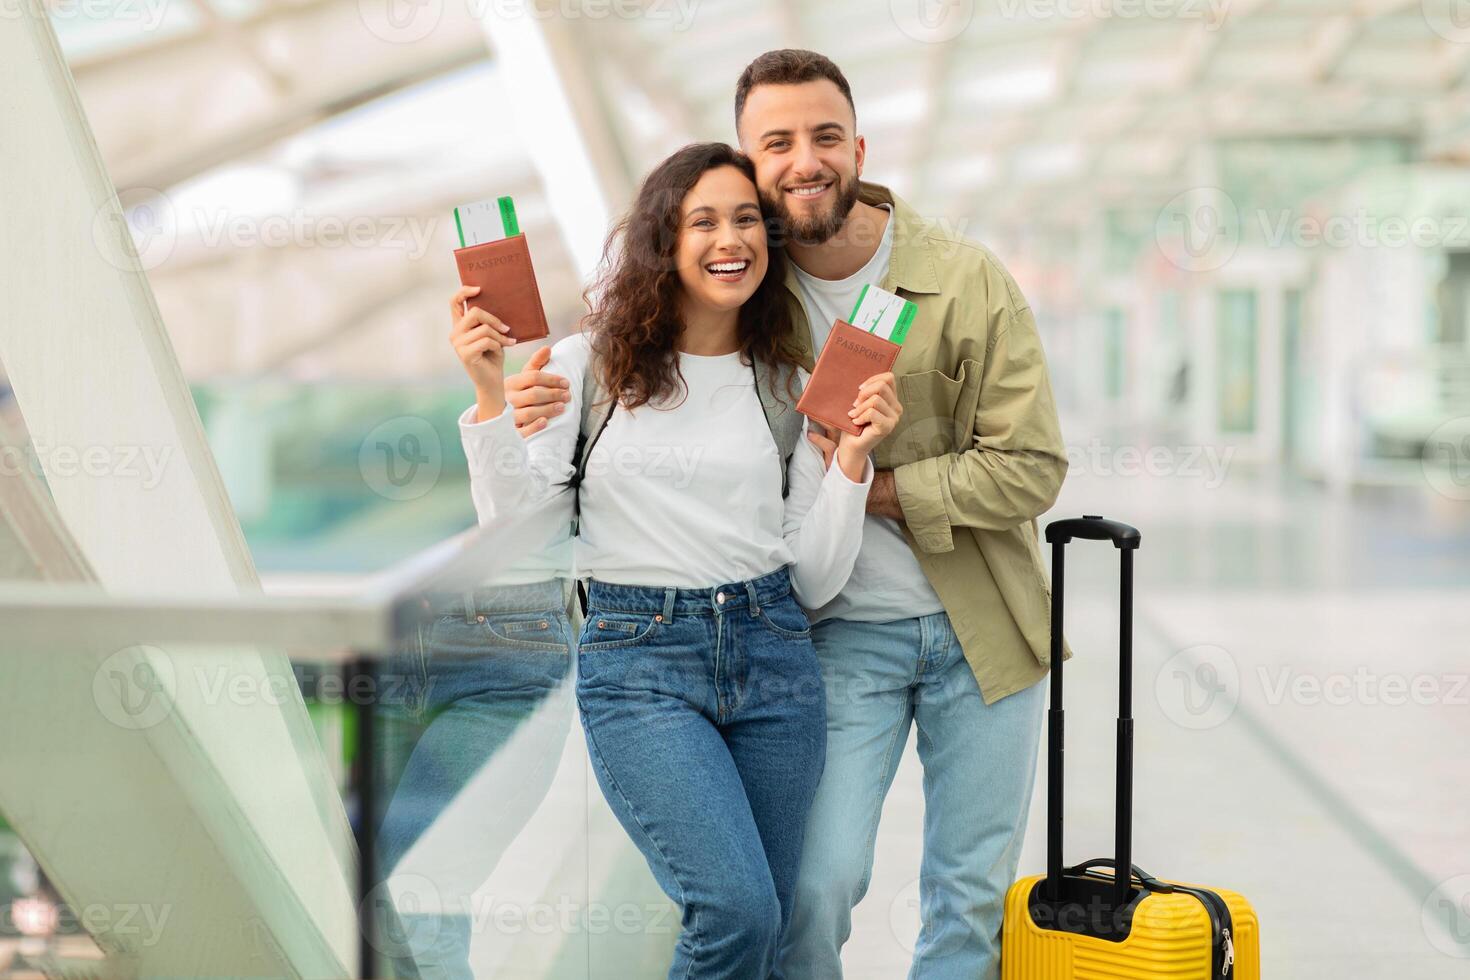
(978, 453)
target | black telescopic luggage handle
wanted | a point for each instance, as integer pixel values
(1125, 539)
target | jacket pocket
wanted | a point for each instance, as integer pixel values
(935, 419)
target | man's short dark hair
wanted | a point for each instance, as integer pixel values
(789, 66)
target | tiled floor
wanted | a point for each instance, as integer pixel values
(1303, 723)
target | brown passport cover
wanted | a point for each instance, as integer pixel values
(508, 290)
(849, 357)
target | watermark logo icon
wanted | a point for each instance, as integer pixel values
(932, 21)
(135, 687)
(145, 224)
(1446, 459)
(1198, 230)
(935, 893)
(401, 458)
(400, 21)
(1450, 19)
(1198, 687)
(1445, 916)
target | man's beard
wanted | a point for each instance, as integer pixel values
(818, 228)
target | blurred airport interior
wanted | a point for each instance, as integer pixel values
(1243, 226)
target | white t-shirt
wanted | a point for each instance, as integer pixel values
(887, 582)
(683, 493)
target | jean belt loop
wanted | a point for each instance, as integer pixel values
(755, 603)
(469, 606)
(669, 596)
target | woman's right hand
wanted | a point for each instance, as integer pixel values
(479, 340)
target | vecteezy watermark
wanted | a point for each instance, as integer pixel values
(1198, 687)
(1198, 230)
(130, 926)
(1446, 458)
(410, 910)
(148, 14)
(141, 224)
(1201, 686)
(135, 687)
(1450, 19)
(150, 224)
(675, 465)
(138, 687)
(1445, 917)
(401, 458)
(145, 464)
(1361, 686)
(1282, 226)
(932, 21)
(407, 21)
(1211, 12)
(932, 894)
(1206, 464)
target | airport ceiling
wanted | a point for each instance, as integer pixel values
(256, 117)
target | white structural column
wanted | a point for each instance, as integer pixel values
(562, 123)
(182, 783)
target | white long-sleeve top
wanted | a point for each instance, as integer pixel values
(683, 493)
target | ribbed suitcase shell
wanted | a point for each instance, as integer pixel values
(1170, 938)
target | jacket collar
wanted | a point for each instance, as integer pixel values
(911, 267)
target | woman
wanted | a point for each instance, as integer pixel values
(699, 690)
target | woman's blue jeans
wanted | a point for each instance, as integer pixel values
(705, 719)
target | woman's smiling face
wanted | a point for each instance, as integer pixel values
(721, 249)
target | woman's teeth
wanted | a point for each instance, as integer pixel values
(726, 268)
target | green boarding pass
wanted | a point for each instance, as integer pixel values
(883, 314)
(486, 221)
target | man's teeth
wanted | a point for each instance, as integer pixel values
(808, 191)
(728, 267)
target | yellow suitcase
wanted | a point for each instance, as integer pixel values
(1086, 921)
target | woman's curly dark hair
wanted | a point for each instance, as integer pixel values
(634, 318)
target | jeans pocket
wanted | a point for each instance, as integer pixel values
(537, 631)
(604, 631)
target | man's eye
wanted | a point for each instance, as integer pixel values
(829, 138)
(777, 145)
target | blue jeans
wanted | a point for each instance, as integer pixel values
(704, 716)
(979, 764)
(485, 667)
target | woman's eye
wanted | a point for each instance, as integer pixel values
(746, 220)
(703, 223)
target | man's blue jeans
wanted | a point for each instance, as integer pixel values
(979, 763)
(703, 710)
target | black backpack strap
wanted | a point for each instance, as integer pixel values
(596, 410)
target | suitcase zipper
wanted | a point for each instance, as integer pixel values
(1222, 956)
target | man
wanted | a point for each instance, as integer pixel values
(945, 621)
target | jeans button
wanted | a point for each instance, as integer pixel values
(720, 598)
